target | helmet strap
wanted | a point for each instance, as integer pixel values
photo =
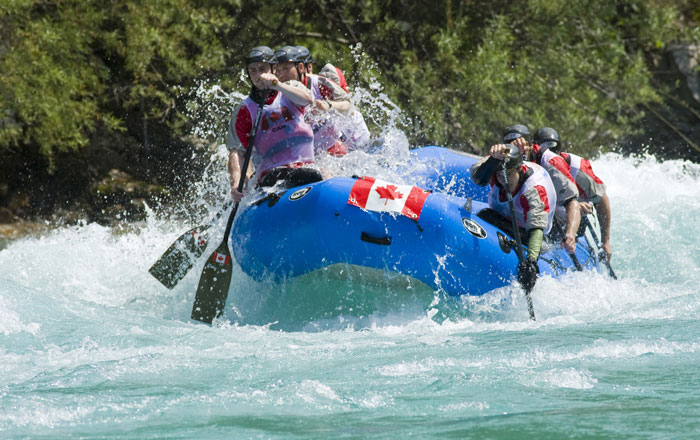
(260, 96)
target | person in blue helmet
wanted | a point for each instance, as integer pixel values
(283, 149)
(567, 209)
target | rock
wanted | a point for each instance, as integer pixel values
(6, 215)
(68, 216)
(687, 60)
(120, 197)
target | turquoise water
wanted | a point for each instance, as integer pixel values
(93, 347)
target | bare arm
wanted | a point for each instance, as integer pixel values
(573, 220)
(325, 105)
(293, 90)
(603, 208)
(235, 160)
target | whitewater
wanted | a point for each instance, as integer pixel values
(94, 347)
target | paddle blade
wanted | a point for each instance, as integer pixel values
(174, 264)
(214, 283)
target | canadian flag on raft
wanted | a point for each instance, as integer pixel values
(377, 195)
(220, 258)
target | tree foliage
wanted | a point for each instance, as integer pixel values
(460, 70)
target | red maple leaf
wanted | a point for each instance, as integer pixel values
(388, 192)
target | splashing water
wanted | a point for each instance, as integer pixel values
(93, 346)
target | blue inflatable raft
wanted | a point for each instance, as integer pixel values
(436, 237)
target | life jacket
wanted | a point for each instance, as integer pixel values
(559, 172)
(590, 187)
(283, 138)
(327, 136)
(352, 124)
(534, 190)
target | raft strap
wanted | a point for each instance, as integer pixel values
(385, 241)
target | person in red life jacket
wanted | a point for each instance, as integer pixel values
(534, 199)
(567, 209)
(591, 189)
(283, 147)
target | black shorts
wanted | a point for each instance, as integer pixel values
(290, 177)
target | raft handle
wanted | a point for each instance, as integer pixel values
(385, 241)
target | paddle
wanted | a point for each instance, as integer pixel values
(179, 258)
(516, 234)
(212, 291)
(571, 254)
(602, 255)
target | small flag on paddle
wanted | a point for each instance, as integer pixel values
(220, 258)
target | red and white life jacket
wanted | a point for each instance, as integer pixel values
(327, 136)
(559, 172)
(534, 202)
(590, 187)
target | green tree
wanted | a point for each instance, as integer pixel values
(70, 67)
(460, 70)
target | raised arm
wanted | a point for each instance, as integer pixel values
(293, 90)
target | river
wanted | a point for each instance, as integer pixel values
(94, 347)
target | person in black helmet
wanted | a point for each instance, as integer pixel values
(533, 196)
(567, 209)
(349, 120)
(591, 189)
(519, 135)
(284, 142)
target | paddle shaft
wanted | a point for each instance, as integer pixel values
(573, 256)
(214, 283)
(602, 255)
(516, 234)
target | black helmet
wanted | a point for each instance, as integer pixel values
(516, 131)
(514, 159)
(305, 55)
(261, 54)
(288, 53)
(548, 138)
